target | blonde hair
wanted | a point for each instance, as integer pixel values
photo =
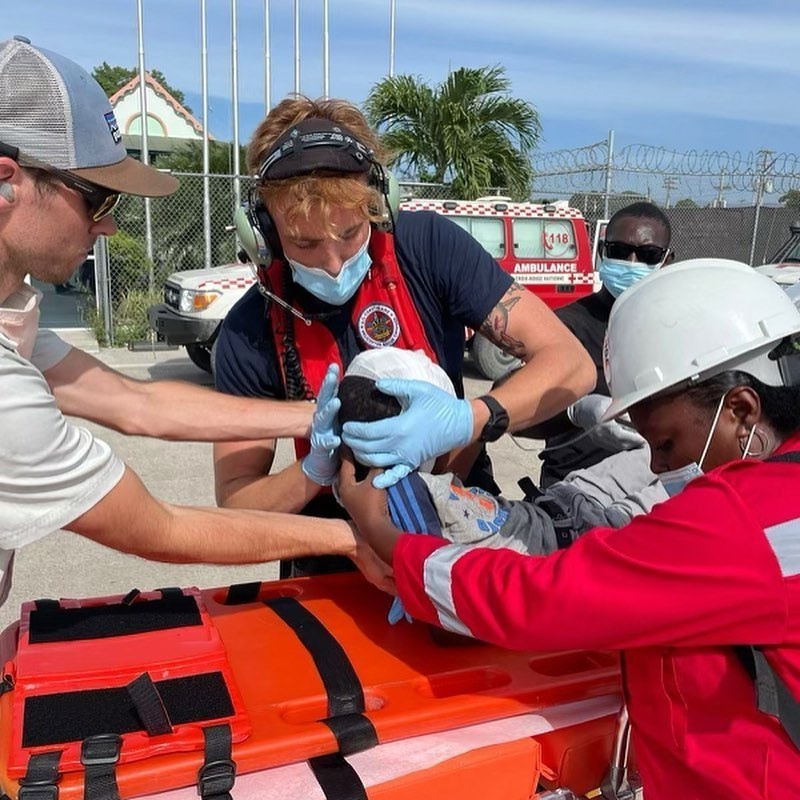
(319, 192)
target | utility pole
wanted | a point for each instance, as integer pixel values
(762, 186)
(609, 172)
(670, 182)
(721, 187)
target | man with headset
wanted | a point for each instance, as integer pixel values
(341, 270)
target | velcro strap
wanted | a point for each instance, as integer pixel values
(51, 623)
(75, 716)
(149, 705)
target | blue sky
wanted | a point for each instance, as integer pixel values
(687, 74)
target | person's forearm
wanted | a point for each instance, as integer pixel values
(86, 388)
(182, 411)
(288, 491)
(195, 535)
(129, 519)
(545, 386)
(382, 536)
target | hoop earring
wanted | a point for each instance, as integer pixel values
(763, 441)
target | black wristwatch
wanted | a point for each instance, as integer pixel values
(497, 424)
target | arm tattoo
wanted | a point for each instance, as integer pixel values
(495, 326)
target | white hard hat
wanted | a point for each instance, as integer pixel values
(692, 320)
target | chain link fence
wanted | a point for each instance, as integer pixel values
(719, 204)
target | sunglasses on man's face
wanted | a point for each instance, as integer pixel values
(100, 202)
(650, 254)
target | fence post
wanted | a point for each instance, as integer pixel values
(102, 282)
(609, 171)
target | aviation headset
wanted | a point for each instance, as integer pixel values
(311, 145)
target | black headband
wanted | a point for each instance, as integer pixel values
(315, 144)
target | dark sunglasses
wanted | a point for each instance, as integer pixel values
(649, 254)
(100, 202)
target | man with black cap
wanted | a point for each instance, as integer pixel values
(342, 270)
(63, 168)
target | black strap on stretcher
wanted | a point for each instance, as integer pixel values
(353, 731)
(346, 720)
(337, 779)
(41, 777)
(99, 757)
(217, 776)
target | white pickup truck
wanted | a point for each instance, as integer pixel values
(195, 303)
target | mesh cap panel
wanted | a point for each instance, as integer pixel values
(55, 112)
(39, 129)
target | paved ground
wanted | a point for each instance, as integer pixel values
(65, 565)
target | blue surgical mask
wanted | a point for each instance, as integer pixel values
(618, 275)
(674, 480)
(334, 289)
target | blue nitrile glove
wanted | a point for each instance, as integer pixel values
(322, 463)
(431, 422)
(397, 612)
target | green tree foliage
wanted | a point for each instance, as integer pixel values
(791, 199)
(467, 132)
(686, 202)
(112, 79)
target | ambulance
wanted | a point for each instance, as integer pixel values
(545, 247)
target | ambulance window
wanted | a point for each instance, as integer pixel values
(489, 231)
(543, 238)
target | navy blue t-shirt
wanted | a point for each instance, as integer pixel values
(452, 281)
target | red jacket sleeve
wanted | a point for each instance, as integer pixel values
(697, 570)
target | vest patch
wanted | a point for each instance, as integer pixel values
(378, 326)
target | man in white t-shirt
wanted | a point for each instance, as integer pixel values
(62, 169)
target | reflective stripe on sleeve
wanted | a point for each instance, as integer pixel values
(784, 539)
(437, 579)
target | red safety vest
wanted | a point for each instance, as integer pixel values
(383, 315)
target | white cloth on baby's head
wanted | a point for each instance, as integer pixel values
(393, 362)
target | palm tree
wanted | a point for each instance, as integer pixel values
(467, 132)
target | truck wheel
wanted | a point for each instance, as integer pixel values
(200, 354)
(491, 361)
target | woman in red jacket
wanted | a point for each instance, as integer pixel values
(702, 593)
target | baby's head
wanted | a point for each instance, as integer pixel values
(361, 400)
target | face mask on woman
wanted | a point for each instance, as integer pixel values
(674, 480)
(334, 289)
